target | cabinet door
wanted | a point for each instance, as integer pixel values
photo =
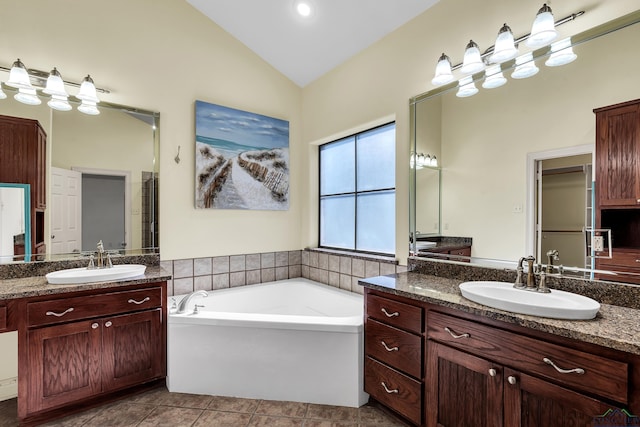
(532, 402)
(132, 349)
(618, 156)
(64, 364)
(462, 390)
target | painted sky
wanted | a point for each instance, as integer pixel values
(241, 127)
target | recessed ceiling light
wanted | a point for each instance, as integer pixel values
(303, 8)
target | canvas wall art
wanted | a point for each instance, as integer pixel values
(242, 159)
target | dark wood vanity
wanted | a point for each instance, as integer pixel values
(438, 365)
(81, 345)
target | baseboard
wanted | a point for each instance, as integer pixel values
(8, 388)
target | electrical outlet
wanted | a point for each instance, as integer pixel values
(598, 243)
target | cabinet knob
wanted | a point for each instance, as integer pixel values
(512, 380)
(94, 326)
(493, 372)
(108, 324)
(638, 201)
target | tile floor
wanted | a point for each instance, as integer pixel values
(159, 407)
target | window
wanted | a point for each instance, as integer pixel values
(357, 192)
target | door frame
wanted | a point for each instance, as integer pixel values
(127, 195)
(532, 159)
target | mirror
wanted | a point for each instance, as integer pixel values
(488, 145)
(102, 172)
(15, 222)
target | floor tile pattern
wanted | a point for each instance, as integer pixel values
(159, 408)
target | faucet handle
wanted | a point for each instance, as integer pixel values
(91, 265)
(542, 285)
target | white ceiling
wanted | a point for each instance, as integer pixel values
(305, 49)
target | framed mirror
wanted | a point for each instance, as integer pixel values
(15, 222)
(101, 178)
(491, 145)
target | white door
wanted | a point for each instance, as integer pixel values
(66, 211)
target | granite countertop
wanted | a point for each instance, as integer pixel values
(614, 327)
(38, 286)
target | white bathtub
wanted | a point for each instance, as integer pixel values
(294, 340)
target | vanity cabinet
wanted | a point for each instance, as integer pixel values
(84, 347)
(394, 343)
(23, 148)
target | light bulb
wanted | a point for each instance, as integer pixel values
(543, 30)
(561, 53)
(443, 71)
(504, 48)
(472, 62)
(525, 67)
(493, 78)
(466, 87)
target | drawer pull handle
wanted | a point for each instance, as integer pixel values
(53, 313)
(394, 314)
(493, 372)
(465, 335)
(512, 380)
(384, 344)
(94, 326)
(563, 371)
(387, 389)
(132, 301)
(108, 324)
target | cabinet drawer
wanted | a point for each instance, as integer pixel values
(629, 259)
(3, 317)
(393, 389)
(605, 377)
(64, 310)
(397, 348)
(394, 313)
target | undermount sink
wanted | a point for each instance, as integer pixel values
(556, 305)
(85, 275)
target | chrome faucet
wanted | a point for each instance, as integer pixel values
(182, 307)
(552, 255)
(102, 258)
(531, 274)
(519, 284)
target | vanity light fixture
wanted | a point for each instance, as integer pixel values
(543, 30)
(29, 81)
(472, 62)
(467, 87)
(525, 67)
(494, 77)
(443, 71)
(421, 160)
(561, 53)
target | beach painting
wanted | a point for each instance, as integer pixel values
(242, 159)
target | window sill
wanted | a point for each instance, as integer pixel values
(358, 255)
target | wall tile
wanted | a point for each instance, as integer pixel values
(236, 263)
(386, 268)
(305, 271)
(282, 259)
(295, 271)
(323, 261)
(334, 263)
(304, 258)
(334, 279)
(345, 282)
(202, 282)
(220, 264)
(268, 275)
(253, 277)
(220, 281)
(268, 260)
(313, 259)
(371, 268)
(237, 278)
(357, 267)
(168, 266)
(323, 276)
(282, 273)
(252, 262)
(401, 268)
(345, 265)
(202, 266)
(313, 274)
(182, 268)
(170, 287)
(356, 288)
(182, 286)
(295, 257)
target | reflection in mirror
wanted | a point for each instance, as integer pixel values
(484, 142)
(102, 178)
(15, 223)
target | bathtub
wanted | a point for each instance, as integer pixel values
(294, 340)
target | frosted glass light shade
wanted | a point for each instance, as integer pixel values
(561, 54)
(59, 103)
(88, 107)
(2, 94)
(543, 30)
(443, 73)
(525, 67)
(55, 85)
(18, 76)
(505, 48)
(472, 62)
(493, 78)
(467, 88)
(27, 96)
(88, 91)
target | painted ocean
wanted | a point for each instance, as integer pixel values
(227, 148)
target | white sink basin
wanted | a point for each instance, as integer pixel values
(557, 304)
(424, 244)
(84, 275)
